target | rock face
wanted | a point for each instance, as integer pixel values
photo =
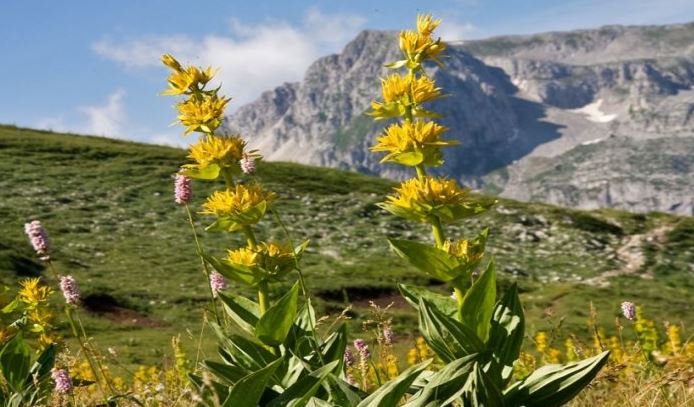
(588, 119)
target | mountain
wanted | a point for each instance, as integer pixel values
(588, 119)
(109, 211)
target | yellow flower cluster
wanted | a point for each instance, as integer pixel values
(32, 293)
(222, 150)
(421, 198)
(273, 257)
(465, 250)
(202, 114)
(202, 110)
(413, 143)
(419, 45)
(186, 80)
(403, 95)
(420, 352)
(237, 201)
(34, 296)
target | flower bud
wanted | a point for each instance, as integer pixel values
(217, 283)
(629, 310)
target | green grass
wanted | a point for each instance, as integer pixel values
(108, 207)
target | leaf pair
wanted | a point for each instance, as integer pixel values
(436, 262)
(272, 327)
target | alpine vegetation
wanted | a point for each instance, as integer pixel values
(272, 347)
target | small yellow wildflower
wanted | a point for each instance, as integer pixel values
(412, 357)
(413, 143)
(202, 114)
(571, 350)
(541, 342)
(402, 95)
(32, 293)
(674, 343)
(46, 340)
(392, 369)
(222, 150)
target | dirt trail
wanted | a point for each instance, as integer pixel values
(630, 254)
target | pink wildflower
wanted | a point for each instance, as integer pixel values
(183, 192)
(70, 290)
(39, 239)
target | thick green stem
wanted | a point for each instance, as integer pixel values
(250, 237)
(421, 172)
(205, 268)
(263, 299)
(437, 231)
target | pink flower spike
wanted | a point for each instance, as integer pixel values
(71, 292)
(63, 383)
(38, 238)
(183, 192)
(217, 282)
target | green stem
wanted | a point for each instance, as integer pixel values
(205, 269)
(228, 178)
(80, 339)
(250, 237)
(302, 283)
(263, 299)
(421, 172)
(437, 231)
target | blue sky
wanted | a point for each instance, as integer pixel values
(92, 66)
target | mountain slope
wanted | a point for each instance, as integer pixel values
(517, 104)
(108, 208)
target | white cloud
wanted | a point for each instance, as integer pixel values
(252, 58)
(454, 31)
(107, 119)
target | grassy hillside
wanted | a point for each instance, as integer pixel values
(108, 207)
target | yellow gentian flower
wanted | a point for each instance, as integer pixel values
(203, 114)
(222, 150)
(403, 95)
(413, 143)
(470, 252)
(425, 198)
(237, 207)
(426, 24)
(188, 80)
(32, 293)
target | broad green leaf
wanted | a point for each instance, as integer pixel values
(241, 274)
(411, 158)
(43, 365)
(226, 373)
(478, 303)
(243, 311)
(11, 306)
(207, 172)
(390, 393)
(479, 390)
(443, 303)
(396, 64)
(506, 332)
(274, 325)
(241, 351)
(303, 389)
(247, 391)
(554, 385)
(15, 360)
(205, 391)
(334, 346)
(431, 260)
(447, 337)
(444, 384)
(340, 393)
